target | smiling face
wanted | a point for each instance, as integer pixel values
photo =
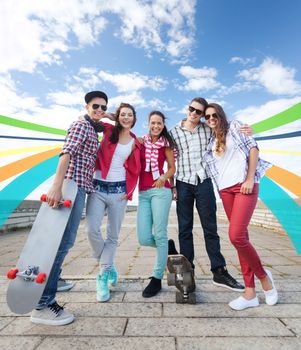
(194, 112)
(211, 118)
(126, 118)
(156, 125)
(96, 114)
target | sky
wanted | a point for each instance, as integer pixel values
(158, 55)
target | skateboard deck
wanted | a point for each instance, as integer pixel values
(180, 274)
(29, 278)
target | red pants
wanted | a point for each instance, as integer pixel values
(239, 209)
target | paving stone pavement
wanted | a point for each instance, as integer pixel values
(132, 322)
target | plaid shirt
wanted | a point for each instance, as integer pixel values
(191, 147)
(82, 144)
(244, 143)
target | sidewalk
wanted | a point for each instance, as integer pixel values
(132, 322)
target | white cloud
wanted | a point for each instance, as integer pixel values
(241, 60)
(199, 79)
(160, 25)
(133, 81)
(138, 101)
(33, 32)
(40, 32)
(235, 88)
(254, 114)
(11, 100)
(272, 75)
(25, 107)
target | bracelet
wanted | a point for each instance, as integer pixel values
(172, 187)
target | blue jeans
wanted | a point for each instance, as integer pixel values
(67, 242)
(152, 220)
(203, 195)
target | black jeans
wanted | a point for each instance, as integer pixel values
(203, 194)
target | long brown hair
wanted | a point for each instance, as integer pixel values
(114, 138)
(221, 130)
(164, 132)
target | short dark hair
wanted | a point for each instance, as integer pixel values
(200, 100)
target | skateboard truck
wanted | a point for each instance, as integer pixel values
(65, 203)
(181, 276)
(31, 274)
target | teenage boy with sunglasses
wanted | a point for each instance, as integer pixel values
(193, 184)
(77, 161)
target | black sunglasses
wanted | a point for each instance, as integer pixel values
(197, 111)
(213, 115)
(96, 106)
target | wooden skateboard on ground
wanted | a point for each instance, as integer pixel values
(29, 277)
(180, 274)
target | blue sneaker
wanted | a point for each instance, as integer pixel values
(102, 288)
(113, 276)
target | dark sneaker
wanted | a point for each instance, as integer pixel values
(63, 285)
(152, 288)
(52, 315)
(222, 278)
(172, 247)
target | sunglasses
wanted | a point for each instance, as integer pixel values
(213, 115)
(96, 106)
(197, 111)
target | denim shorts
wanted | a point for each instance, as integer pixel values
(109, 187)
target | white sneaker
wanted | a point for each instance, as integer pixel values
(271, 296)
(52, 315)
(241, 303)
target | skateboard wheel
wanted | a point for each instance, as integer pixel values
(187, 278)
(171, 279)
(179, 298)
(67, 203)
(43, 198)
(191, 298)
(11, 274)
(41, 277)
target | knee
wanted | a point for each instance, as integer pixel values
(161, 238)
(144, 241)
(236, 238)
(92, 229)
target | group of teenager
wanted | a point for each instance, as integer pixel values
(205, 148)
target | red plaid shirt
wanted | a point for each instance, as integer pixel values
(82, 144)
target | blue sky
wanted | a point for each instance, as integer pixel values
(153, 54)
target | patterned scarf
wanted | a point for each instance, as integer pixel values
(152, 154)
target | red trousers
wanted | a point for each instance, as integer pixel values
(239, 209)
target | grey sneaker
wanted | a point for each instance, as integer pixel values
(52, 315)
(63, 285)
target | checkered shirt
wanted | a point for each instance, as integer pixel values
(244, 143)
(82, 144)
(191, 147)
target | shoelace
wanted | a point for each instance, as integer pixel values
(56, 308)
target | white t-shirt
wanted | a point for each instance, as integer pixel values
(230, 165)
(117, 170)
